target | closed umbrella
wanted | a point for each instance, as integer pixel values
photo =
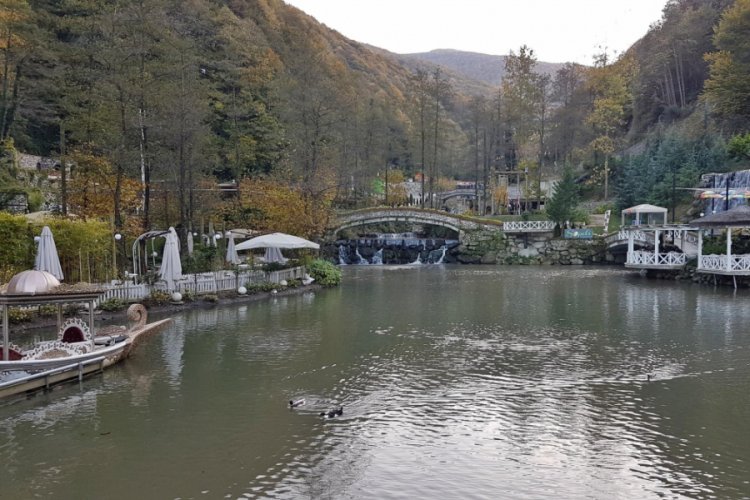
(190, 243)
(232, 256)
(46, 255)
(171, 267)
(211, 234)
(273, 254)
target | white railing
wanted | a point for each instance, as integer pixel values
(528, 226)
(722, 263)
(127, 292)
(286, 274)
(623, 235)
(672, 259)
(203, 283)
(641, 258)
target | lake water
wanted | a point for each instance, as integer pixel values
(456, 382)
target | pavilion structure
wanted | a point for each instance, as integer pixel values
(732, 222)
(671, 244)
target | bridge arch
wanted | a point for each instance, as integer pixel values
(411, 216)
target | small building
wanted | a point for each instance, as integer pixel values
(644, 214)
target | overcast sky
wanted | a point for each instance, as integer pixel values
(557, 30)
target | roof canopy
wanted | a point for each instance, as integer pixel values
(645, 214)
(734, 217)
(32, 282)
(276, 240)
(645, 208)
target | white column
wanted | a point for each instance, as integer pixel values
(5, 332)
(700, 249)
(631, 246)
(91, 323)
(656, 246)
(729, 249)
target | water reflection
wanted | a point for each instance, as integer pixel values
(455, 381)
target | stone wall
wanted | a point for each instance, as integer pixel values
(484, 247)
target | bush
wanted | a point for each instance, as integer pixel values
(47, 310)
(111, 305)
(266, 286)
(159, 298)
(324, 273)
(274, 266)
(70, 310)
(16, 315)
(188, 296)
(212, 298)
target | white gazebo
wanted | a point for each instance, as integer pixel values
(644, 214)
(724, 264)
(648, 223)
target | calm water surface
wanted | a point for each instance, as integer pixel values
(457, 382)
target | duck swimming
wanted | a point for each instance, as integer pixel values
(336, 412)
(295, 404)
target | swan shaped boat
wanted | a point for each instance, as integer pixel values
(79, 349)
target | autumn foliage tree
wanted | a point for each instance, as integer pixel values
(93, 187)
(268, 205)
(728, 88)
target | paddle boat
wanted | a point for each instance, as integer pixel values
(79, 348)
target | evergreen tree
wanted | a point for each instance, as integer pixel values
(562, 205)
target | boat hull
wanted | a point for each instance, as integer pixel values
(32, 375)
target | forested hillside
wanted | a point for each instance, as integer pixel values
(153, 104)
(485, 68)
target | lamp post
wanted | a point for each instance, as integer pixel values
(117, 238)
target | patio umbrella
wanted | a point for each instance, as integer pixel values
(232, 256)
(211, 234)
(277, 240)
(273, 254)
(46, 255)
(171, 267)
(710, 194)
(190, 243)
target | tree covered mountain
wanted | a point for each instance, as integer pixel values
(486, 68)
(153, 103)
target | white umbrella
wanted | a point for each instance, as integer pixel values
(211, 234)
(190, 243)
(171, 267)
(232, 256)
(46, 255)
(277, 240)
(273, 254)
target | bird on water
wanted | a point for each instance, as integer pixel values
(336, 412)
(295, 404)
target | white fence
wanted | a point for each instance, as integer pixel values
(724, 263)
(204, 283)
(528, 226)
(623, 234)
(641, 258)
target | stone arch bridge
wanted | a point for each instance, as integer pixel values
(460, 224)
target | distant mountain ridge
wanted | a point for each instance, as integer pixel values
(484, 68)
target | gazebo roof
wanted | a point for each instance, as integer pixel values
(734, 217)
(645, 208)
